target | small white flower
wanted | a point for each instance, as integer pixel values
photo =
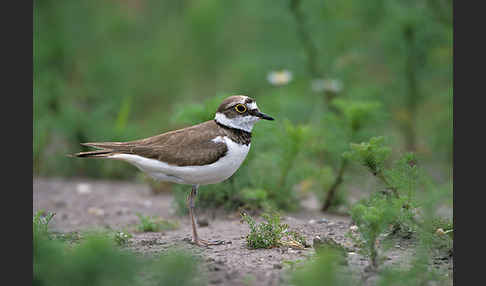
(332, 85)
(279, 78)
(353, 228)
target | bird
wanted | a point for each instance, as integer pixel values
(206, 153)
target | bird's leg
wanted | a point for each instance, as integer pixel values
(190, 200)
(195, 238)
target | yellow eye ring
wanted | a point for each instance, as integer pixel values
(240, 108)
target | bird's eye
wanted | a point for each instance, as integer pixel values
(240, 108)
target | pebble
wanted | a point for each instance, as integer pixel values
(277, 266)
(60, 204)
(323, 220)
(216, 280)
(203, 222)
(83, 188)
(147, 203)
(96, 211)
(290, 250)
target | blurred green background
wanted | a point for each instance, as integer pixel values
(346, 70)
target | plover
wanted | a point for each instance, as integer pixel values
(206, 153)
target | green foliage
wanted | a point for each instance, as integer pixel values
(373, 217)
(271, 233)
(371, 155)
(96, 260)
(418, 274)
(324, 269)
(153, 224)
(121, 238)
(175, 268)
(266, 234)
(41, 223)
(357, 114)
(440, 232)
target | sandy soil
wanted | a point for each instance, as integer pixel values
(85, 204)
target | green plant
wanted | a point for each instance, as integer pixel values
(371, 154)
(323, 269)
(351, 119)
(271, 233)
(176, 267)
(153, 224)
(96, 260)
(121, 238)
(419, 273)
(41, 223)
(373, 217)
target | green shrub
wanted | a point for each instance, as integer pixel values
(153, 224)
(271, 233)
(96, 260)
(373, 217)
(323, 269)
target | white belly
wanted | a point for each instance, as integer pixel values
(213, 173)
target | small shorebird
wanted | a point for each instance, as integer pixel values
(206, 153)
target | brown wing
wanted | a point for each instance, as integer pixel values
(192, 146)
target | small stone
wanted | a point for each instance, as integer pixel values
(60, 204)
(203, 222)
(216, 280)
(290, 250)
(96, 211)
(312, 221)
(147, 203)
(277, 266)
(214, 267)
(322, 220)
(440, 231)
(83, 188)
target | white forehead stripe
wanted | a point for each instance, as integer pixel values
(244, 123)
(252, 105)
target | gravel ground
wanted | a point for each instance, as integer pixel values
(82, 204)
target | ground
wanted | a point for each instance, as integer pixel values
(82, 204)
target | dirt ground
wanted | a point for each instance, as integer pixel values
(82, 204)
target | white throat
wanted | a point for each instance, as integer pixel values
(244, 123)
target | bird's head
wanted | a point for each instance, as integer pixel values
(240, 112)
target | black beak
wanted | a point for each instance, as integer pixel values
(264, 116)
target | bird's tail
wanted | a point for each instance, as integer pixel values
(103, 153)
